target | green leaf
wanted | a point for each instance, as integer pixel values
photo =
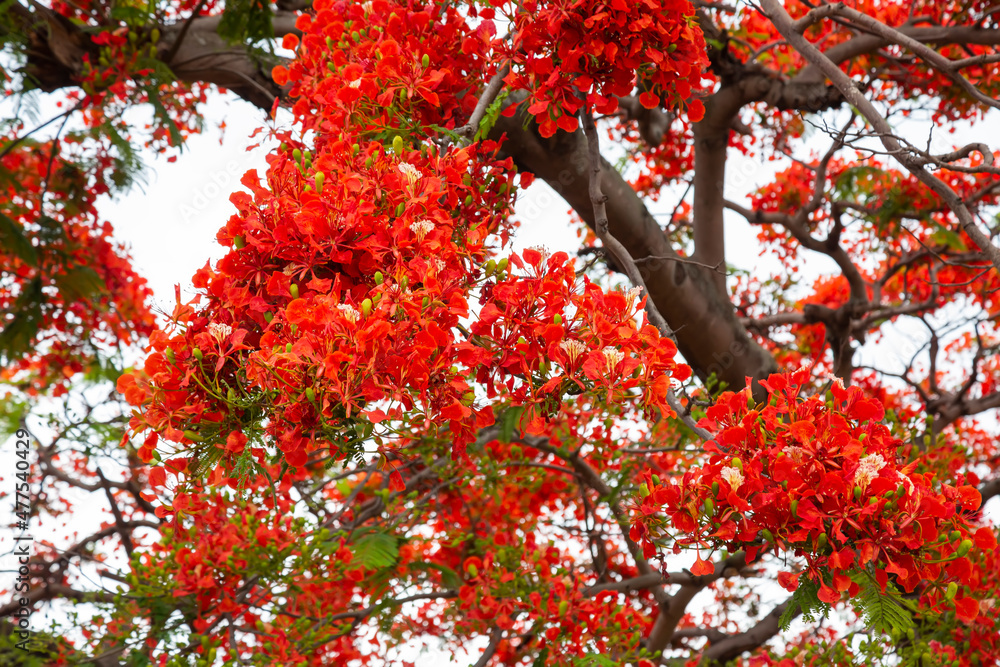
(375, 551)
(246, 21)
(25, 319)
(80, 284)
(805, 597)
(490, 118)
(888, 613)
(12, 238)
(449, 577)
(511, 417)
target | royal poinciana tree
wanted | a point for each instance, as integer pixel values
(378, 429)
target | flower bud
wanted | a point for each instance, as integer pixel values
(397, 145)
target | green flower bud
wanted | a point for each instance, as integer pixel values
(196, 353)
(425, 61)
(952, 591)
(366, 307)
(297, 154)
(294, 290)
(963, 548)
(379, 277)
(397, 145)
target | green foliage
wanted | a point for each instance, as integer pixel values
(22, 322)
(246, 21)
(888, 613)
(806, 598)
(375, 551)
(13, 240)
(490, 119)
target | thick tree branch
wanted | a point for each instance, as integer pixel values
(708, 333)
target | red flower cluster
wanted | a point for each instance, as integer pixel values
(816, 476)
(338, 313)
(576, 53)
